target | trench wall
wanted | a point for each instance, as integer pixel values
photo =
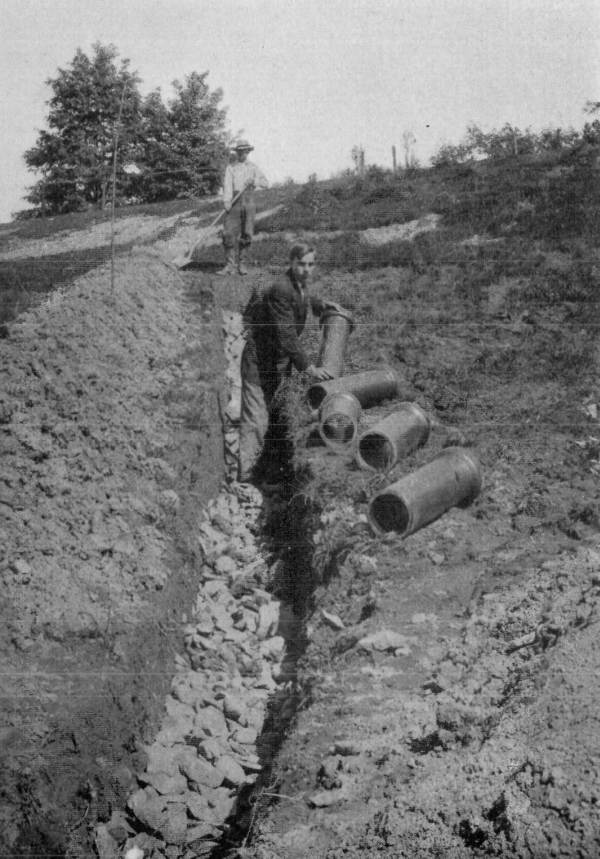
(111, 444)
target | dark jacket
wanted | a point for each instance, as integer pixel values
(274, 321)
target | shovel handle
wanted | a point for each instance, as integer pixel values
(181, 261)
(235, 198)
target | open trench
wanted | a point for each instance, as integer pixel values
(235, 691)
(148, 649)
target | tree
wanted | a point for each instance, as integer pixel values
(184, 146)
(174, 150)
(199, 142)
(75, 155)
(506, 141)
(153, 156)
(591, 130)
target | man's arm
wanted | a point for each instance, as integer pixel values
(281, 310)
(319, 305)
(257, 179)
(281, 305)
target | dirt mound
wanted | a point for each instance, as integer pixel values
(111, 443)
(137, 228)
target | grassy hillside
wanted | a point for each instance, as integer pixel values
(528, 206)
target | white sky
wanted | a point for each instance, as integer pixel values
(306, 80)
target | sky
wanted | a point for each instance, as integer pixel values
(307, 80)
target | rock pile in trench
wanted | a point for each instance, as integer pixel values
(84, 436)
(206, 750)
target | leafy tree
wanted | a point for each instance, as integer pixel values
(153, 156)
(183, 147)
(506, 141)
(199, 142)
(75, 155)
(177, 150)
(591, 130)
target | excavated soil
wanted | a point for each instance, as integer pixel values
(111, 446)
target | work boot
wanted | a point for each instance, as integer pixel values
(242, 268)
(229, 267)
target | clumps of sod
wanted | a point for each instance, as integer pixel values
(334, 253)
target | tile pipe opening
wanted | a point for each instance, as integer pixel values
(316, 395)
(339, 429)
(376, 451)
(389, 513)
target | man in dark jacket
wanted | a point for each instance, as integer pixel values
(274, 321)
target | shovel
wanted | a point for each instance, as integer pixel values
(206, 233)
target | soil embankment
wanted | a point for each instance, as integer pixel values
(111, 446)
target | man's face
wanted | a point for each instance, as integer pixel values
(303, 268)
(242, 154)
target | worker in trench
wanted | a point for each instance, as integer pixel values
(274, 319)
(241, 179)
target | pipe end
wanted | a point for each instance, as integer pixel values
(375, 452)
(315, 395)
(387, 512)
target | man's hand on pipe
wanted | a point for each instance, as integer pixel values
(319, 374)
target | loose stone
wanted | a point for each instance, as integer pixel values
(222, 800)
(198, 771)
(273, 648)
(211, 722)
(232, 772)
(210, 749)
(325, 798)
(161, 759)
(225, 565)
(175, 823)
(202, 830)
(234, 709)
(385, 639)
(345, 747)
(148, 807)
(164, 783)
(198, 807)
(246, 736)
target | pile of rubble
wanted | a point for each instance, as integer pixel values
(206, 749)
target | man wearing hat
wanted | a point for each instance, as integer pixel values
(241, 178)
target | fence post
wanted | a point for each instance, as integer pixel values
(114, 187)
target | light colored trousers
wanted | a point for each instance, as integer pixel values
(254, 422)
(238, 225)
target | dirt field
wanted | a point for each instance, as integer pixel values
(426, 697)
(471, 733)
